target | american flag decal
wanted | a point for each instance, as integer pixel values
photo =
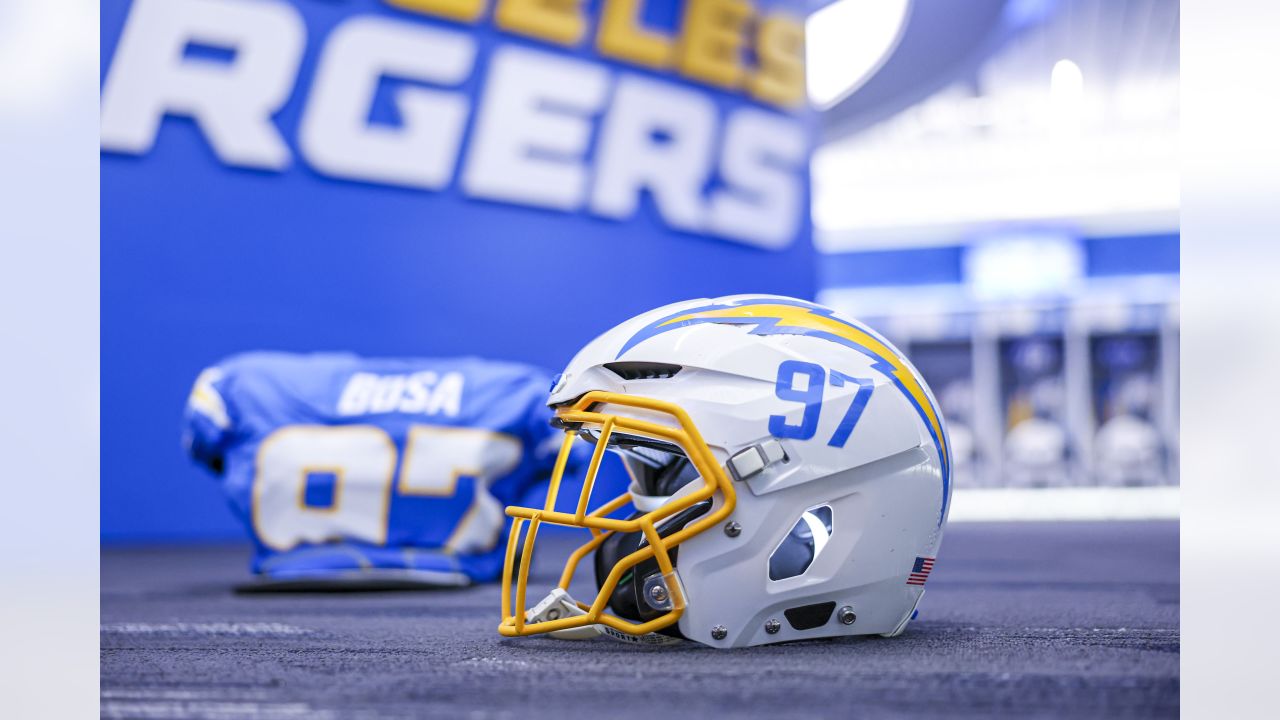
(920, 571)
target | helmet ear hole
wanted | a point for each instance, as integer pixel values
(801, 546)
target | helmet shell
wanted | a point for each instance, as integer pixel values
(862, 435)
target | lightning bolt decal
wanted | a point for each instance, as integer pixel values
(779, 316)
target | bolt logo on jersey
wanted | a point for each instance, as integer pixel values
(782, 316)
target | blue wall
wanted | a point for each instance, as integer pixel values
(200, 260)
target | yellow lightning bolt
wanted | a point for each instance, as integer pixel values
(801, 317)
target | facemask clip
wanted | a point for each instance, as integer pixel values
(753, 460)
(663, 591)
(558, 604)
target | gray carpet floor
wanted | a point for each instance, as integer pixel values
(1021, 619)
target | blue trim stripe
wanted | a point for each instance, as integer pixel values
(915, 266)
(1104, 257)
(1138, 255)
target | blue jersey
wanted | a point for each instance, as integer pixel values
(345, 467)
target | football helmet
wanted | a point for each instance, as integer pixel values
(789, 474)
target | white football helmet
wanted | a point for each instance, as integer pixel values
(789, 473)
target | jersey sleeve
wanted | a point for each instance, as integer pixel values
(207, 420)
(540, 441)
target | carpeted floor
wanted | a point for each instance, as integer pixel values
(1044, 619)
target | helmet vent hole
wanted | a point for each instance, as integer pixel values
(808, 617)
(802, 545)
(643, 370)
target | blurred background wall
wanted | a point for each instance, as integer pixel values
(994, 186)
(421, 177)
(1016, 231)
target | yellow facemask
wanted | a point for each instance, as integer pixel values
(577, 417)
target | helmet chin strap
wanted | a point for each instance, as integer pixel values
(558, 604)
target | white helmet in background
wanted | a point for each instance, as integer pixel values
(789, 477)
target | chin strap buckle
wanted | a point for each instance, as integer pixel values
(558, 604)
(555, 606)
